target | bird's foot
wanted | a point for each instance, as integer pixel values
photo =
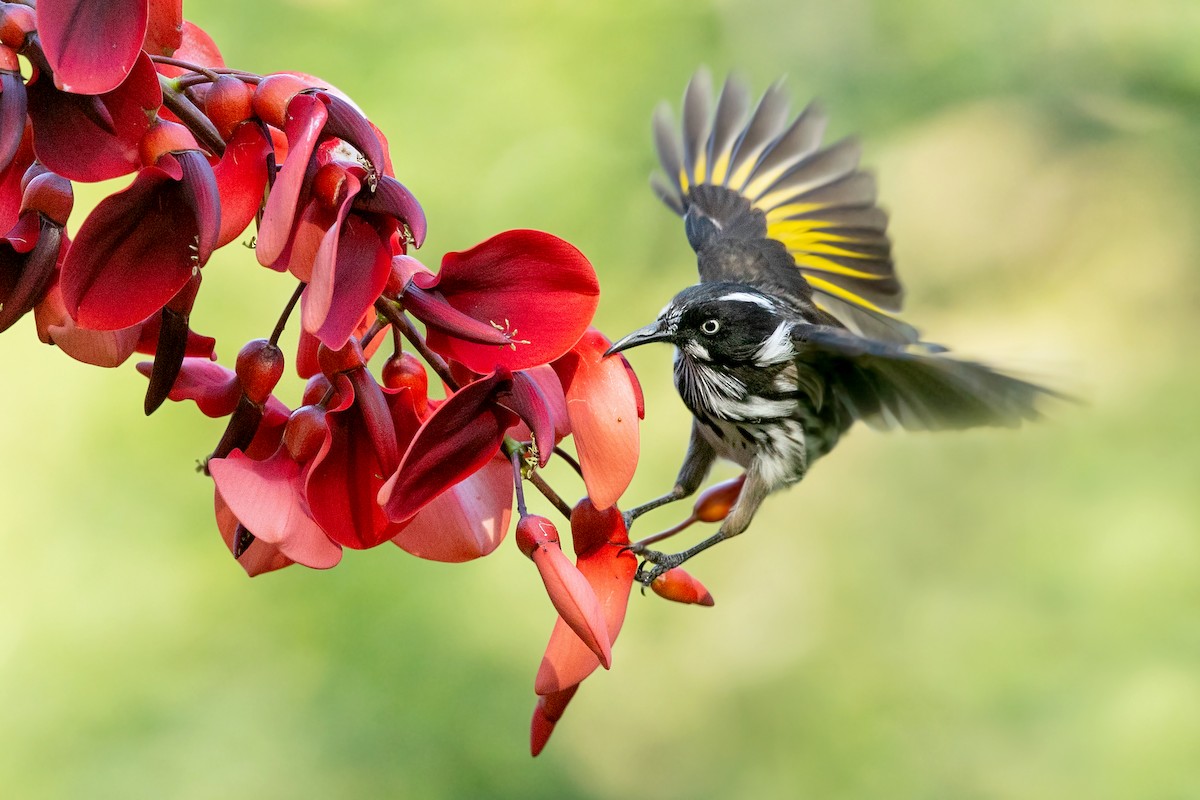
(662, 562)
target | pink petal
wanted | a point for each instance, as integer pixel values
(94, 138)
(306, 116)
(260, 556)
(603, 409)
(456, 441)
(99, 348)
(91, 45)
(13, 105)
(214, 388)
(530, 404)
(536, 287)
(267, 496)
(467, 521)
(394, 200)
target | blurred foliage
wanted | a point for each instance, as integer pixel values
(986, 615)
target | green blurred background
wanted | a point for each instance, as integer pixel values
(985, 615)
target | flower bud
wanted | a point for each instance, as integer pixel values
(329, 186)
(272, 95)
(534, 532)
(714, 503)
(681, 587)
(405, 371)
(334, 361)
(305, 433)
(16, 22)
(259, 368)
(165, 137)
(229, 102)
(50, 195)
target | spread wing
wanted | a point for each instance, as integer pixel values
(764, 204)
(914, 386)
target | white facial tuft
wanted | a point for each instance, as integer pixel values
(746, 297)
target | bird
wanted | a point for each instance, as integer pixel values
(791, 334)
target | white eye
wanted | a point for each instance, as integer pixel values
(710, 326)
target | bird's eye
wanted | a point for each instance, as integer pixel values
(710, 326)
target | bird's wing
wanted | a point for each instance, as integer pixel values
(774, 209)
(916, 387)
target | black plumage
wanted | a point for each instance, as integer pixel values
(791, 335)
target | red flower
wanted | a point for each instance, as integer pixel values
(140, 246)
(537, 290)
(604, 404)
(91, 45)
(93, 137)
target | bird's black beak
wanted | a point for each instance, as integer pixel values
(653, 332)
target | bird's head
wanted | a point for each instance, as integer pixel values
(716, 322)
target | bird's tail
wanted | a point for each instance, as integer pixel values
(815, 200)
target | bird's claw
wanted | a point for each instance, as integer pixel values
(663, 562)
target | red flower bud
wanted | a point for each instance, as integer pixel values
(329, 186)
(229, 102)
(259, 368)
(534, 532)
(305, 433)
(50, 195)
(16, 22)
(678, 585)
(272, 95)
(404, 370)
(714, 502)
(334, 361)
(165, 137)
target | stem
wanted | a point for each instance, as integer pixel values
(190, 67)
(392, 312)
(191, 116)
(567, 457)
(518, 480)
(548, 492)
(287, 312)
(375, 329)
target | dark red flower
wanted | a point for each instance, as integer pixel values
(87, 137)
(140, 246)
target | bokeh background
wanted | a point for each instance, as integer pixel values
(985, 615)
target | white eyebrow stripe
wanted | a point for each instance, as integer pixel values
(746, 297)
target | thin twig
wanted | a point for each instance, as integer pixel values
(191, 116)
(567, 457)
(540, 484)
(393, 314)
(287, 312)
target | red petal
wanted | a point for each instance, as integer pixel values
(94, 138)
(603, 409)
(13, 105)
(164, 29)
(546, 714)
(306, 117)
(131, 255)
(267, 496)
(394, 200)
(361, 269)
(99, 348)
(575, 600)
(457, 440)
(528, 402)
(241, 179)
(344, 481)
(10, 180)
(609, 570)
(432, 309)
(467, 521)
(538, 288)
(91, 45)
(203, 199)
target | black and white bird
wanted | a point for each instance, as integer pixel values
(791, 334)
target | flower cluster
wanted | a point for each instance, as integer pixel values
(114, 88)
